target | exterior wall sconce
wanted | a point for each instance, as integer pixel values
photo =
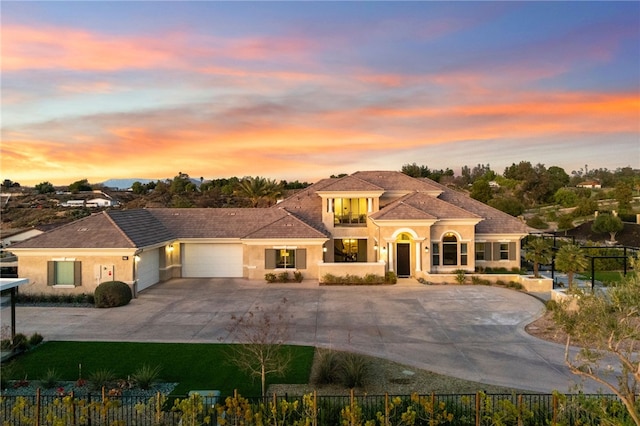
(170, 248)
(324, 249)
(384, 249)
(136, 258)
(426, 249)
(375, 247)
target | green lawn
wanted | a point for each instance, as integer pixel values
(193, 366)
(606, 276)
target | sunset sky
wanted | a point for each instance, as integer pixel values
(303, 90)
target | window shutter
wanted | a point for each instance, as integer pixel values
(270, 259)
(301, 258)
(512, 251)
(51, 272)
(496, 251)
(487, 251)
(77, 273)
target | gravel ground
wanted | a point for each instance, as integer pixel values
(395, 379)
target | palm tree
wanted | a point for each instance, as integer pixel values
(571, 260)
(258, 188)
(538, 251)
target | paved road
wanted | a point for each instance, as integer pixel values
(471, 332)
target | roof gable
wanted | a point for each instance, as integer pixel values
(93, 231)
(419, 205)
(140, 226)
(351, 184)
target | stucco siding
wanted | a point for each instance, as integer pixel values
(92, 272)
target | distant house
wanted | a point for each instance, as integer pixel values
(589, 184)
(91, 203)
(369, 222)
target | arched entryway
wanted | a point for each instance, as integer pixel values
(403, 255)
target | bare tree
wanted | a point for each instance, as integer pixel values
(262, 334)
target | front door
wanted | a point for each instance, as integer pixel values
(403, 267)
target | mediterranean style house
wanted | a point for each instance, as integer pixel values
(369, 222)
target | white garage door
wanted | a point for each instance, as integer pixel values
(148, 269)
(212, 260)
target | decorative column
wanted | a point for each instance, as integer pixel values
(418, 256)
(390, 256)
(369, 205)
(329, 205)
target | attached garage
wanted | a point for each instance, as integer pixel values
(212, 260)
(148, 269)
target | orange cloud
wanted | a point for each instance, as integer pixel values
(64, 48)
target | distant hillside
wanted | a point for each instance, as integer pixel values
(124, 183)
(629, 236)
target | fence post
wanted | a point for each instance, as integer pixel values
(315, 407)
(38, 407)
(555, 409)
(433, 404)
(519, 410)
(351, 403)
(477, 408)
(73, 407)
(386, 409)
(158, 408)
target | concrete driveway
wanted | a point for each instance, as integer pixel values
(471, 332)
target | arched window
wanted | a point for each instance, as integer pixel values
(449, 249)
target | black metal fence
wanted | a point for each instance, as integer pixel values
(312, 409)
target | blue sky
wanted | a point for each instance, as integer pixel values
(303, 90)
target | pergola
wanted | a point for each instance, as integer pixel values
(11, 285)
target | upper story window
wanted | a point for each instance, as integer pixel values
(350, 211)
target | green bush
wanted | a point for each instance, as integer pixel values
(461, 276)
(270, 278)
(327, 369)
(146, 376)
(111, 294)
(354, 370)
(50, 379)
(537, 222)
(101, 377)
(35, 339)
(20, 342)
(283, 277)
(297, 276)
(390, 277)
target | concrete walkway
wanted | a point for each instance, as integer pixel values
(471, 332)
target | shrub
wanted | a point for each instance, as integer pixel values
(146, 376)
(537, 222)
(327, 369)
(283, 277)
(50, 378)
(297, 276)
(20, 342)
(354, 370)
(111, 294)
(551, 305)
(329, 279)
(102, 377)
(390, 277)
(461, 276)
(35, 339)
(475, 280)
(270, 278)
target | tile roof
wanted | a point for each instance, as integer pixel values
(419, 205)
(351, 183)
(495, 221)
(140, 226)
(233, 223)
(97, 230)
(397, 181)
